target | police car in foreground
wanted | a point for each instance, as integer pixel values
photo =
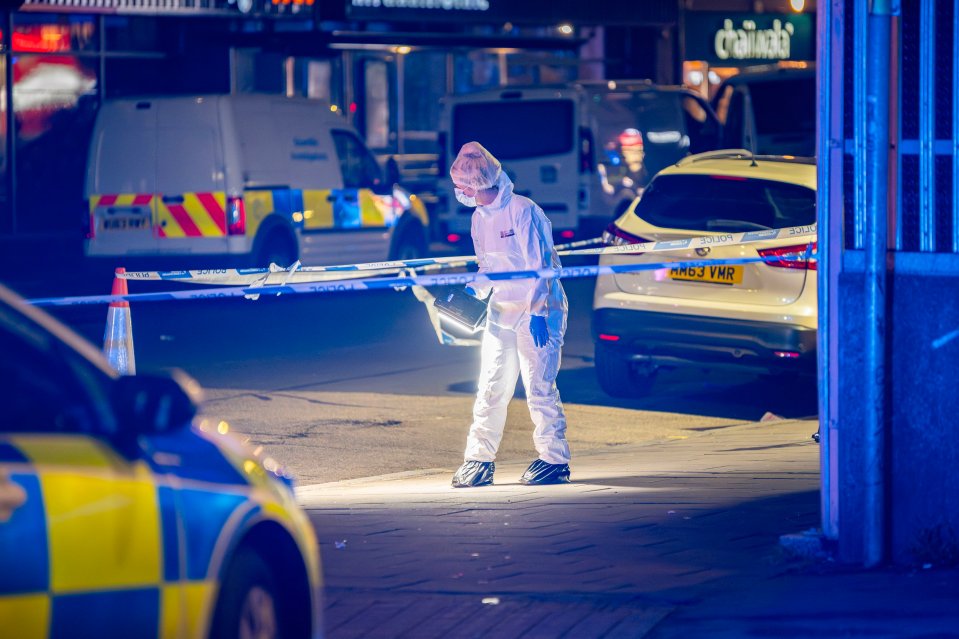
(759, 317)
(121, 515)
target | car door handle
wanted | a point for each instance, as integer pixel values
(172, 199)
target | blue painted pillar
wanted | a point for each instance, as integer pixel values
(876, 239)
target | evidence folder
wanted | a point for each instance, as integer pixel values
(462, 308)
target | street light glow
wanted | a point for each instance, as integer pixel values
(566, 29)
(797, 5)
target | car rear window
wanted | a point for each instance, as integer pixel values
(516, 130)
(724, 203)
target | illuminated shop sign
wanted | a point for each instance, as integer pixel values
(553, 12)
(440, 5)
(177, 7)
(750, 43)
(742, 39)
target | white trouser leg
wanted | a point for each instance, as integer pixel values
(539, 366)
(499, 369)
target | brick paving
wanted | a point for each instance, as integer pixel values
(646, 541)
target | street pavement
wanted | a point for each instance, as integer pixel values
(672, 538)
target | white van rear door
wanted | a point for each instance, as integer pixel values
(191, 207)
(121, 180)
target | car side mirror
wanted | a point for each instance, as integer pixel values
(155, 404)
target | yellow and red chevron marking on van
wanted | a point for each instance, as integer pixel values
(197, 215)
(175, 216)
(122, 199)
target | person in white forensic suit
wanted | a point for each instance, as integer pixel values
(525, 323)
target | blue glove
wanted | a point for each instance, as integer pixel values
(537, 327)
(470, 291)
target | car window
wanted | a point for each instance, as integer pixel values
(639, 131)
(46, 387)
(515, 130)
(360, 170)
(721, 102)
(725, 203)
(701, 125)
(733, 136)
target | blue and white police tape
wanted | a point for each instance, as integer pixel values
(301, 274)
(294, 273)
(704, 241)
(380, 283)
(298, 273)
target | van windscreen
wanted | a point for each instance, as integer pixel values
(516, 130)
(725, 203)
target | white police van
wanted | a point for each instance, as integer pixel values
(581, 151)
(246, 179)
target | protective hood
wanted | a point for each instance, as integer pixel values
(503, 197)
(475, 167)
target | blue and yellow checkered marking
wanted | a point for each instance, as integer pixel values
(115, 614)
(190, 456)
(24, 562)
(166, 498)
(110, 548)
(204, 514)
(317, 210)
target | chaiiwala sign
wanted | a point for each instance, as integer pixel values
(743, 39)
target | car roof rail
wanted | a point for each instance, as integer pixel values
(721, 154)
(744, 154)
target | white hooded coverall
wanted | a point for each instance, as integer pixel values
(513, 234)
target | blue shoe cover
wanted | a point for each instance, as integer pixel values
(474, 473)
(540, 473)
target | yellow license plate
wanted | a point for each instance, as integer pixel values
(718, 274)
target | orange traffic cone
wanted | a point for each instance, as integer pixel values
(118, 336)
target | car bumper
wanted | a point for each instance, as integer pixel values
(668, 339)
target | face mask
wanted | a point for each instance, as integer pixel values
(464, 200)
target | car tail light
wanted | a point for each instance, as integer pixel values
(608, 338)
(793, 256)
(235, 216)
(567, 234)
(453, 238)
(615, 236)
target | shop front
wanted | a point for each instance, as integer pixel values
(719, 45)
(384, 64)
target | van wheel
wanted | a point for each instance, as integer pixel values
(617, 376)
(247, 605)
(277, 248)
